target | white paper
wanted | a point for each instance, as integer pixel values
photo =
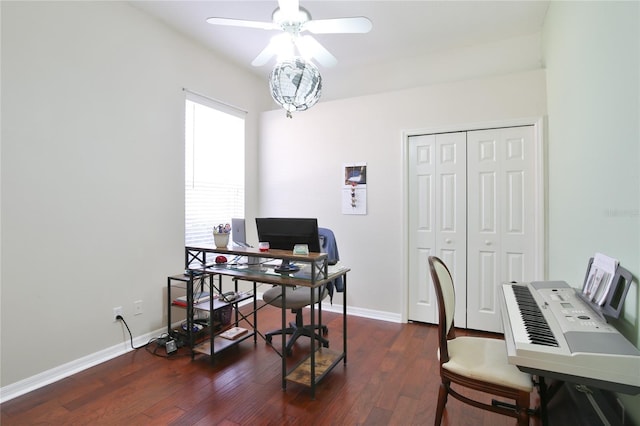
(600, 278)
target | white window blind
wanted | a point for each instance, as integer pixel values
(214, 167)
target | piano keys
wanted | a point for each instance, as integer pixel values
(551, 332)
(536, 327)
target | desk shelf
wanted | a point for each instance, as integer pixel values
(219, 304)
(325, 360)
(220, 313)
(219, 344)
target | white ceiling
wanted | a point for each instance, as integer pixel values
(401, 29)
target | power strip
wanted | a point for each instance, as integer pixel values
(171, 346)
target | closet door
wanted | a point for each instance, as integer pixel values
(437, 210)
(501, 208)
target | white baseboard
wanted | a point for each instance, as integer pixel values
(365, 313)
(60, 372)
(32, 383)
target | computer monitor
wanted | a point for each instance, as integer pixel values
(283, 233)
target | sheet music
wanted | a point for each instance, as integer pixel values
(600, 278)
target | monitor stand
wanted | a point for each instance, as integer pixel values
(286, 267)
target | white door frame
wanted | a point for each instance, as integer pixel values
(540, 203)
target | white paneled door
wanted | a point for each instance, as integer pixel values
(501, 216)
(437, 206)
(472, 202)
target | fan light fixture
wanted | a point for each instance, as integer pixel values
(294, 20)
(291, 18)
(295, 84)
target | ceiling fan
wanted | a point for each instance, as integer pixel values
(294, 20)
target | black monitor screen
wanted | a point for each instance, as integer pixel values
(284, 233)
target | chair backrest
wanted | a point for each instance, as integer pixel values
(445, 293)
(328, 245)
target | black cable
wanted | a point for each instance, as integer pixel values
(119, 317)
(163, 337)
(161, 342)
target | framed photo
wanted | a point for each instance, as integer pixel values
(354, 188)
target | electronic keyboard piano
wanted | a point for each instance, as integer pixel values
(552, 332)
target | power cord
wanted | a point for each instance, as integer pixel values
(119, 317)
(160, 342)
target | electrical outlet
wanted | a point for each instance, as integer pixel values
(137, 307)
(171, 346)
(117, 311)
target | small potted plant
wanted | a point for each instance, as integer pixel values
(221, 235)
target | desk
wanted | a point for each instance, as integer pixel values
(219, 311)
(314, 274)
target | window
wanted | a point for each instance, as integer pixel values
(214, 167)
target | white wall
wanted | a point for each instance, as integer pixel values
(93, 173)
(592, 55)
(510, 55)
(301, 162)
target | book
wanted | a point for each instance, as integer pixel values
(198, 297)
(233, 333)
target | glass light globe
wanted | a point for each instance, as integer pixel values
(295, 84)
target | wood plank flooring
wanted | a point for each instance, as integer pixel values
(391, 378)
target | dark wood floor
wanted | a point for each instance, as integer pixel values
(391, 378)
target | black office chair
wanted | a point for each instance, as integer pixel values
(299, 297)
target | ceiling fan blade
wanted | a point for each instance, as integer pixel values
(309, 47)
(355, 25)
(243, 23)
(264, 56)
(280, 45)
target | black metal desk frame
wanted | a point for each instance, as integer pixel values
(305, 372)
(201, 279)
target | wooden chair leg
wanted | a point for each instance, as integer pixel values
(522, 405)
(443, 393)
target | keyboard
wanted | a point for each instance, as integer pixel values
(551, 332)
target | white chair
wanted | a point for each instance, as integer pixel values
(477, 363)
